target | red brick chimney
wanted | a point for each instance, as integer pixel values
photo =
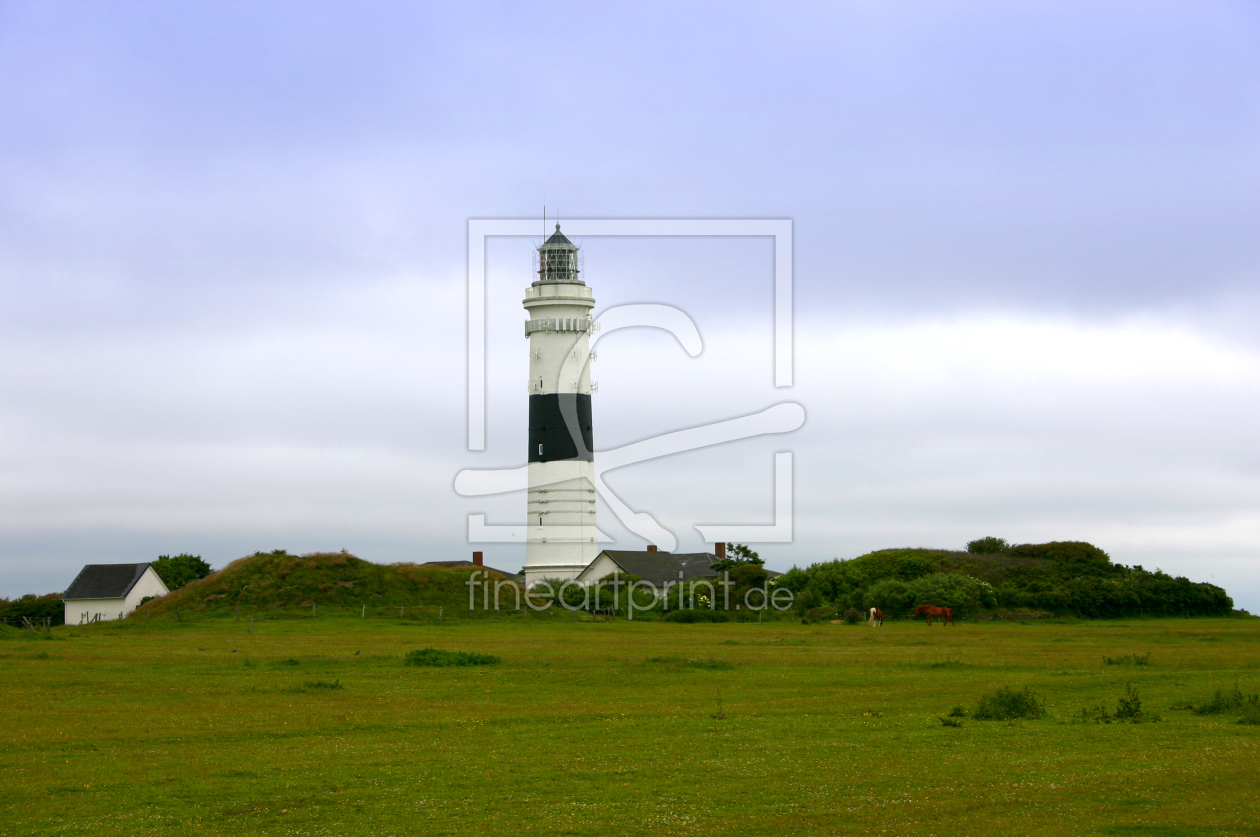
(719, 551)
(651, 547)
(477, 559)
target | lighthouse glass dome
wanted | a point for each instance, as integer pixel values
(557, 259)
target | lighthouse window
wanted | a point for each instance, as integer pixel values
(540, 448)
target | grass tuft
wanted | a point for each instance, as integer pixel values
(1224, 701)
(1128, 708)
(1006, 704)
(945, 664)
(1129, 660)
(698, 662)
(442, 659)
(322, 684)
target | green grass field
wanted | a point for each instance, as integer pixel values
(316, 726)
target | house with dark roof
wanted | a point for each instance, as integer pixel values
(110, 591)
(652, 566)
(655, 566)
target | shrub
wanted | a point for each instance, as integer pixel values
(1251, 711)
(177, 571)
(988, 546)
(962, 593)
(958, 712)
(1129, 707)
(853, 617)
(950, 722)
(439, 658)
(36, 607)
(1006, 704)
(1224, 701)
(692, 616)
(1129, 660)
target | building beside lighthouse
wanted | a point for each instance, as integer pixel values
(561, 534)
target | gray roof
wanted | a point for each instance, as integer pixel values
(558, 239)
(659, 567)
(105, 581)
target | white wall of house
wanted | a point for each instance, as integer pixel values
(150, 584)
(602, 566)
(79, 611)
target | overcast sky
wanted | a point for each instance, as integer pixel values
(233, 264)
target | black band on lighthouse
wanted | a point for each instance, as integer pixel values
(550, 420)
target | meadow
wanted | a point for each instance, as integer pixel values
(317, 726)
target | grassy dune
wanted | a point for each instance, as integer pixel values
(318, 727)
(332, 580)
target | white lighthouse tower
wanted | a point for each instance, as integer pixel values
(561, 503)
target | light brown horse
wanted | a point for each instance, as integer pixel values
(943, 613)
(877, 617)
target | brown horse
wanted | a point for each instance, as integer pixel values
(877, 617)
(943, 613)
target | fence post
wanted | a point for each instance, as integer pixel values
(251, 623)
(238, 613)
(273, 611)
(400, 611)
(312, 610)
(176, 614)
(364, 613)
(439, 614)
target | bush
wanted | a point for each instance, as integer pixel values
(988, 546)
(35, 607)
(1128, 708)
(1129, 660)
(177, 571)
(1006, 704)
(853, 617)
(692, 616)
(1065, 577)
(439, 658)
(1251, 711)
(1225, 701)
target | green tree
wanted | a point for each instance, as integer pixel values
(177, 571)
(736, 555)
(988, 546)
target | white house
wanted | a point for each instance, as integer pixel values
(109, 591)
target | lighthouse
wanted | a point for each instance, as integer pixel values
(561, 539)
